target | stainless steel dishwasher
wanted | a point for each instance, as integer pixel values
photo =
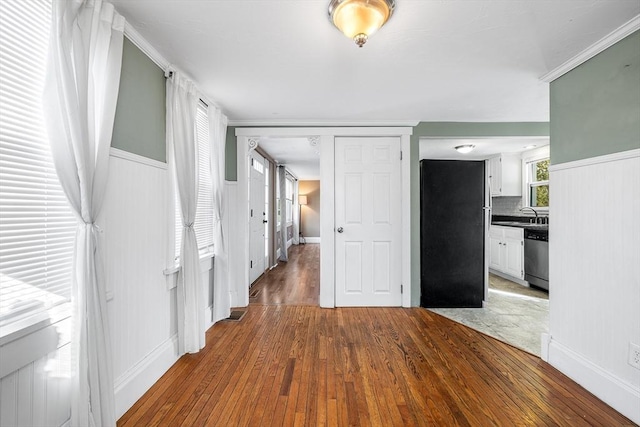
(536, 258)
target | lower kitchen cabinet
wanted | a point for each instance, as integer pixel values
(506, 250)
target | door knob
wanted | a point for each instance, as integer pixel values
(340, 229)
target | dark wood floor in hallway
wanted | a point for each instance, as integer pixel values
(289, 364)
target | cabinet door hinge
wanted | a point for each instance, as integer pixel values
(401, 155)
(401, 289)
(252, 213)
(250, 264)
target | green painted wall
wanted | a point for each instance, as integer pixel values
(595, 108)
(231, 154)
(139, 126)
(451, 129)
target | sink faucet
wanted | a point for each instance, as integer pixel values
(534, 211)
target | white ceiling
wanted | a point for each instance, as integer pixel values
(277, 62)
(299, 155)
(444, 148)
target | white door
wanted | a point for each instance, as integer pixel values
(257, 216)
(368, 215)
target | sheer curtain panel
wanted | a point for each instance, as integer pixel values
(282, 235)
(182, 101)
(217, 136)
(83, 75)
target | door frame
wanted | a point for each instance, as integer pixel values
(248, 139)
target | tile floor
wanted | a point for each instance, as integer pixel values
(513, 313)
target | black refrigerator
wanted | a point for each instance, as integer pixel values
(452, 233)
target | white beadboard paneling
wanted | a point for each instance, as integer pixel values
(38, 394)
(140, 377)
(595, 274)
(135, 239)
(230, 224)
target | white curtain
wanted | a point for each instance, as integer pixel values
(182, 101)
(282, 235)
(217, 135)
(295, 214)
(81, 92)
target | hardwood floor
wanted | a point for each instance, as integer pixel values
(300, 365)
(296, 282)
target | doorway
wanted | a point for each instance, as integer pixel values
(257, 216)
(323, 140)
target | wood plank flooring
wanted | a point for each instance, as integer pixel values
(299, 365)
(296, 282)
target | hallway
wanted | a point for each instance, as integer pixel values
(296, 282)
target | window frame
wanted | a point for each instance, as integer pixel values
(202, 141)
(528, 173)
(33, 140)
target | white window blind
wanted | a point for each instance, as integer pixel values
(37, 226)
(204, 210)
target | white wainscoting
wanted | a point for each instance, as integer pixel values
(38, 394)
(230, 224)
(594, 243)
(142, 312)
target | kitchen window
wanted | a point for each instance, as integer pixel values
(537, 178)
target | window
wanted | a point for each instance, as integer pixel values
(538, 183)
(289, 195)
(204, 211)
(37, 225)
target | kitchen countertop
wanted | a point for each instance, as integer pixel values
(519, 222)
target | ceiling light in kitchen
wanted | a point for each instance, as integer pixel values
(464, 149)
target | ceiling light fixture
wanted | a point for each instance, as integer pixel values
(464, 149)
(359, 19)
(530, 146)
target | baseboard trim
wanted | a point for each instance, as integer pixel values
(617, 393)
(131, 385)
(312, 239)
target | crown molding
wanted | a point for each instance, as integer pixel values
(607, 41)
(142, 44)
(321, 123)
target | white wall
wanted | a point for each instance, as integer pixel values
(35, 378)
(135, 218)
(595, 275)
(137, 224)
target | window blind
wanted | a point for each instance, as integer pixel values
(37, 226)
(204, 211)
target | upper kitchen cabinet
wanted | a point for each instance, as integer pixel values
(505, 175)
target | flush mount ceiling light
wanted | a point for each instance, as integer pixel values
(528, 147)
(464, 149)
(359, 19)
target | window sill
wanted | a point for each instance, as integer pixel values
(171, 273)
(33, 323)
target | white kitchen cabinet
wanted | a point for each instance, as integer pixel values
(506, 250)
(505, 175)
